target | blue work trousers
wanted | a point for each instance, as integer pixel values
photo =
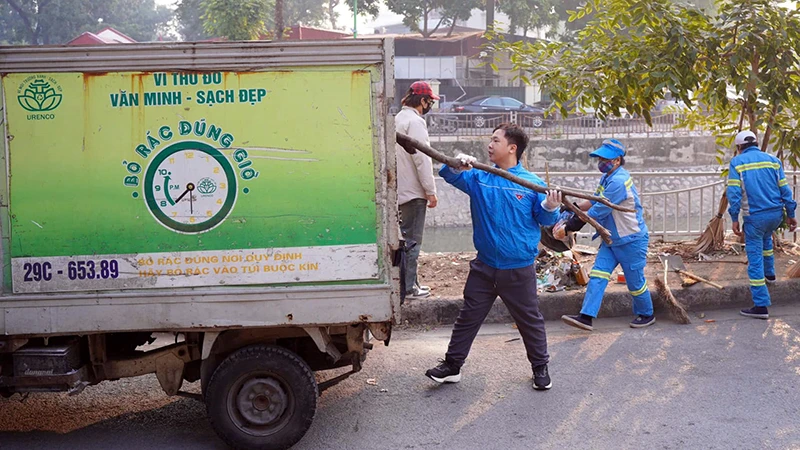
(758, 231)
(632, 257)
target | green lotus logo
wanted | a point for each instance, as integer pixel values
(206, 186)
(39, 97)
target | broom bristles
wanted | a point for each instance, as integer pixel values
(794, 270)
(714, 235)
(676, 310)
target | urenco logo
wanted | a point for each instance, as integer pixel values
(40, 94)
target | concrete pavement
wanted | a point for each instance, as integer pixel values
(729, 384)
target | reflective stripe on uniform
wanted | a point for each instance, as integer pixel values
(600, 274)
(783, 182)
(733, 182)
(759, 165)
(768, 252)
(759, 282)
(640, 291)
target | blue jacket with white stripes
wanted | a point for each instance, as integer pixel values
(618, 188)
(757, 185)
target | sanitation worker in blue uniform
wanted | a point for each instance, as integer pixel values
(758, 190)
(629, 240)
(505, 219)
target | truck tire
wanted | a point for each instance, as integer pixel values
(261, 397)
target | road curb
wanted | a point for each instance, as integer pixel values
(696, 299)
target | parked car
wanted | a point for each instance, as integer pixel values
(488, 110)
(588, 118)
(666, 106)
(442, 123)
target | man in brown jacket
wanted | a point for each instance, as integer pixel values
(416, 189)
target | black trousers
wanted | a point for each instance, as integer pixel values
(517, 289)
(412, 225)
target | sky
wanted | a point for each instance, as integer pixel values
(366, 25)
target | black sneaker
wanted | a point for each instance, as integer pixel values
(541, 378)
(757, 312)
(581, 321)
(444, 373)
(643, 321)
(771, 279)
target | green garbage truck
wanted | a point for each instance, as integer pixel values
(240, 196)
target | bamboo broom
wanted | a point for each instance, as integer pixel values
(676, 310)
(714, 235)
(794, 270)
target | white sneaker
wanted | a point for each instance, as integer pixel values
(418, 293)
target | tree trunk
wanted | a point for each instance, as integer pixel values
(425, 24)
(751, 87)
(452, 27)
(424, 32)
(279, 25)
(768, 131)
(331, 6)
(488, 72)
(33, 31)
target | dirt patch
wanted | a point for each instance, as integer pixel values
(446, 273)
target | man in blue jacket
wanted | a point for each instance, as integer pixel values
(629, 240)
(757, 188)
(505, 221)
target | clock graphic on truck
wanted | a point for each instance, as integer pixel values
(190, 187)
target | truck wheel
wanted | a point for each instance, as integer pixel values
(261, 397)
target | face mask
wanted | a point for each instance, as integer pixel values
(427, 109)
(605, 166)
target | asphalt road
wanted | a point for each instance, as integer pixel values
(729, 384)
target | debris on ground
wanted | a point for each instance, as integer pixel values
(446, 272)
(584, 249)
(557, 271)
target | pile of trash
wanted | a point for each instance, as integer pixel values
(559, 271)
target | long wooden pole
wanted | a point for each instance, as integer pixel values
(604, 234)
(406, 142)
(410, 144)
